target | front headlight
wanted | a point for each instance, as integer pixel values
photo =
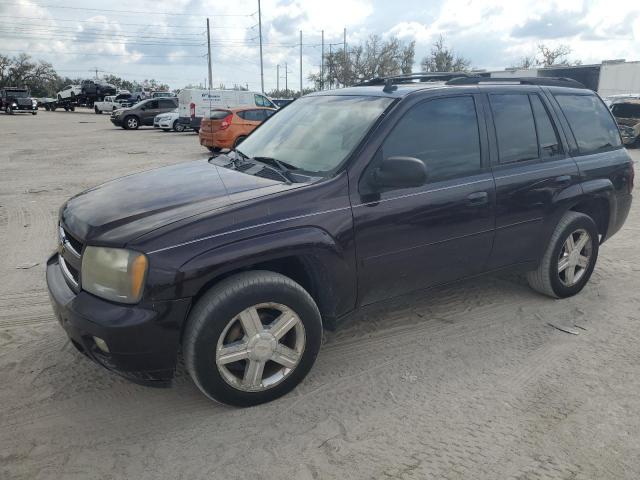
(114, 273)
(14, 105)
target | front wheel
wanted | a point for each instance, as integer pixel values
(252, 338)
(131, 123)
(569, 259)
(178, 127)
(8, 111)
(98, 112)
(34, 113)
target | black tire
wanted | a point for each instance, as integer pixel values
(546, 279)
(131, 122)
(221, 304)
(238, 141)
(197, 130)
(214, 149)
(8, 110)
(178, 127)
(34, 113)
(98, 112)
(72, 108)
(66, 108)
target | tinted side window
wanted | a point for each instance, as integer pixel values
(443, 133)
(152, 104)
(590, 122)
(515, 129)
(547, 136)
(166, 103)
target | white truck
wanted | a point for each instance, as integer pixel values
(113, 102)
(194, 104)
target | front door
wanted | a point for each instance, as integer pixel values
(417, 237)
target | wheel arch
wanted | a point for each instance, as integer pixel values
(307, 255)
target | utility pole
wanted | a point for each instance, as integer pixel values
(300, 62)
(345, 65)
(209, 55)
(330, 65)
(260, 34)
(278, 77)
(286, 81)
(96, 73)
(322, 64)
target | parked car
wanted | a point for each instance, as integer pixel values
(228, 128)
(107, 105)
(69, 92)
(611, 99)
(196, 104)
(14, 99)
(343, 199)
(168, 121)
(627, 114)
(142, 113)
(140, 94)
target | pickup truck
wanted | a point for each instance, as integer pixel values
(341, 200)
(111, 103)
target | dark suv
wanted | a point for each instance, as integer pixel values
(142, 113)
(342, 199)
(96, 88)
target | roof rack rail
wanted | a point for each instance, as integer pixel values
(542, 81)
(412, 77)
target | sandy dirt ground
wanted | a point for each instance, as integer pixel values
(462, 382)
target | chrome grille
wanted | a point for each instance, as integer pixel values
(70, 257)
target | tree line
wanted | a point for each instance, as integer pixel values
(43, 80)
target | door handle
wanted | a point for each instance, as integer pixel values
(563, 179)
(478, 198)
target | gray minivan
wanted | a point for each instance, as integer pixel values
(142, 113)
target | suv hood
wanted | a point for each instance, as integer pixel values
(121, 210)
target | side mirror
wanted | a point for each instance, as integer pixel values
(400, 172)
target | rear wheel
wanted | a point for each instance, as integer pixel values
(131, 123)
(570, 258)
(252, 338)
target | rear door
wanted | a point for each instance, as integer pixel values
(411, 238)
(531, 168)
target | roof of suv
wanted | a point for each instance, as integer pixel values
(399, 90)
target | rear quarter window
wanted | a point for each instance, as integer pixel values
(590, 121)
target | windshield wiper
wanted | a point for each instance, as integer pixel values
(284, 166)
(281, 168)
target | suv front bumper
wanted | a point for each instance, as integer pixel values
(143, 340)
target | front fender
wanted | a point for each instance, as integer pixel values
(330, 267)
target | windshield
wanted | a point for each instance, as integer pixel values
(17, 93)
(316, 133)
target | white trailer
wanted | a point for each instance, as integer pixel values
(618, 78)
(194, 104)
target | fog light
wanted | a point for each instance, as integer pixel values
(101, 344)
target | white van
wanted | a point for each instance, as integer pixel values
(194, 104)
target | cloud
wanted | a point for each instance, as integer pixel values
(552, 24)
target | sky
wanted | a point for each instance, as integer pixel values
(166, 40)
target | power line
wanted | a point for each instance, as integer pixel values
(120, 23)
(47, 30)
(103, 54)
(67, 7)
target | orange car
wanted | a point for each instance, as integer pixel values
(227, 128)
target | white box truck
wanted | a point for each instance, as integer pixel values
(194, 104)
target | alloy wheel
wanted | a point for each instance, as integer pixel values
(260, 347)
(575, 257)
